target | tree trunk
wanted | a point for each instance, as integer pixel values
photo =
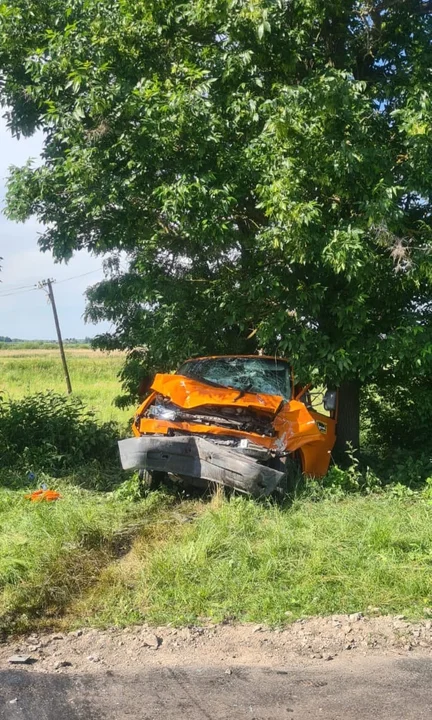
(348, 422)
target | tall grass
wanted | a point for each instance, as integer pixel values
(94, 378)
(52, 552)
(251, 562)
(41, 345)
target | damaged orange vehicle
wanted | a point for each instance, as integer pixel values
(237, 420)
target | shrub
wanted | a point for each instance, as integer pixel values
(399, 416)
(53, 433)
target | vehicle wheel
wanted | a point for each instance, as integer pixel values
(291, 468)
(150, 479)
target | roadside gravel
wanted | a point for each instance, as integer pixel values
(312, 640)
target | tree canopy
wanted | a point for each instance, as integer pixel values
(265, 166)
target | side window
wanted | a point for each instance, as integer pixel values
(320, 400)
(324, 401)
(306, 398)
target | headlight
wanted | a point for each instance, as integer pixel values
(161, 413)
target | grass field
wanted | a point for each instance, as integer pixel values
(93, 377)
(105, 555)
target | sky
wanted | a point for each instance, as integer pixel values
(28, 315)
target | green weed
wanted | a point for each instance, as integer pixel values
(360, 537)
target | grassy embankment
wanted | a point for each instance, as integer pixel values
(266, 564)
(105, 558)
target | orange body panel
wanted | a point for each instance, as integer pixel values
(296, 427)
(316, 456)
(43, 496)
(188, 394)
(161, 427)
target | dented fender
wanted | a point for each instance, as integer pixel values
(295, 427)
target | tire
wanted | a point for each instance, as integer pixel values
(150, 479)
(290, 466)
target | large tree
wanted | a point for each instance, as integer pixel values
(265, 165)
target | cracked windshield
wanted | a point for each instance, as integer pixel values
(260, 375)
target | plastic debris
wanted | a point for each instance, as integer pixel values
(20, 659)
(43, 495)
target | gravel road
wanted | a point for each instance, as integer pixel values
(343, 667)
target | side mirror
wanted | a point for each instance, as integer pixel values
(330, 400)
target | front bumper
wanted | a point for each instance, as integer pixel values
(198, 458)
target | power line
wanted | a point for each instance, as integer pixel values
(31, 288)
(75, 277)
(13, 286)
(20, 292)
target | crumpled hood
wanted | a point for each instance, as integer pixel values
(188, 394)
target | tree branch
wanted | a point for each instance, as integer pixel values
(424, 8)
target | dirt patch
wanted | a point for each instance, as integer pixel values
(316, 639)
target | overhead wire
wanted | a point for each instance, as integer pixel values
(75, 277)
(11, 287)
(19, 292)
(31, 288)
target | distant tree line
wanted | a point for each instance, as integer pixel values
(67, 341)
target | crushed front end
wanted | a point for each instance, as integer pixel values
(229, 420)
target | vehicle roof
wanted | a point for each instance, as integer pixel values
(257, 357)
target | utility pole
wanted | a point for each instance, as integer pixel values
(48, 284)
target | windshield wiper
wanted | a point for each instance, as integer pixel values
(205, 381)
(243, 391)
(212, 383)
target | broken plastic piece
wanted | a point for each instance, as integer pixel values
(43, 495)
(20, 659)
